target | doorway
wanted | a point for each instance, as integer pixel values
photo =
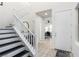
(45, 43)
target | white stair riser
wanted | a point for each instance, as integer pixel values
(7, 35)
(15, 52)
(10, 46)
(6, 31)
(8, 40)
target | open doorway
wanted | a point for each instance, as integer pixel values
(45, 42)
(48, 31)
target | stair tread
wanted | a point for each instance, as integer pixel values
(11, 50)
(10, 46)
(6, 44)
(8, 37)
(8, 40)
(5, 31)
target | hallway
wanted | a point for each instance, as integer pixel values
(45, 48)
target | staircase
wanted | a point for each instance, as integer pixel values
(11, 45)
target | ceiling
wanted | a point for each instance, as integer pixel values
(45, 13)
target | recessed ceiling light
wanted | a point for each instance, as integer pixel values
(45, 13)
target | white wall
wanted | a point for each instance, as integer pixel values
(7, 11)
(24, 12)
(5, 16)
(75, 42)
(38, 27)
(62, 7)
(21, 9)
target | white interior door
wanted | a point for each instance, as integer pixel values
(63, 30)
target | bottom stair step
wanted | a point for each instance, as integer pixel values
(10, 50)
(21, 53)
(15, 52)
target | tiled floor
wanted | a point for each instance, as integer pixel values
(45, 48)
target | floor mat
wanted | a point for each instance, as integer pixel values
(61, 53)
